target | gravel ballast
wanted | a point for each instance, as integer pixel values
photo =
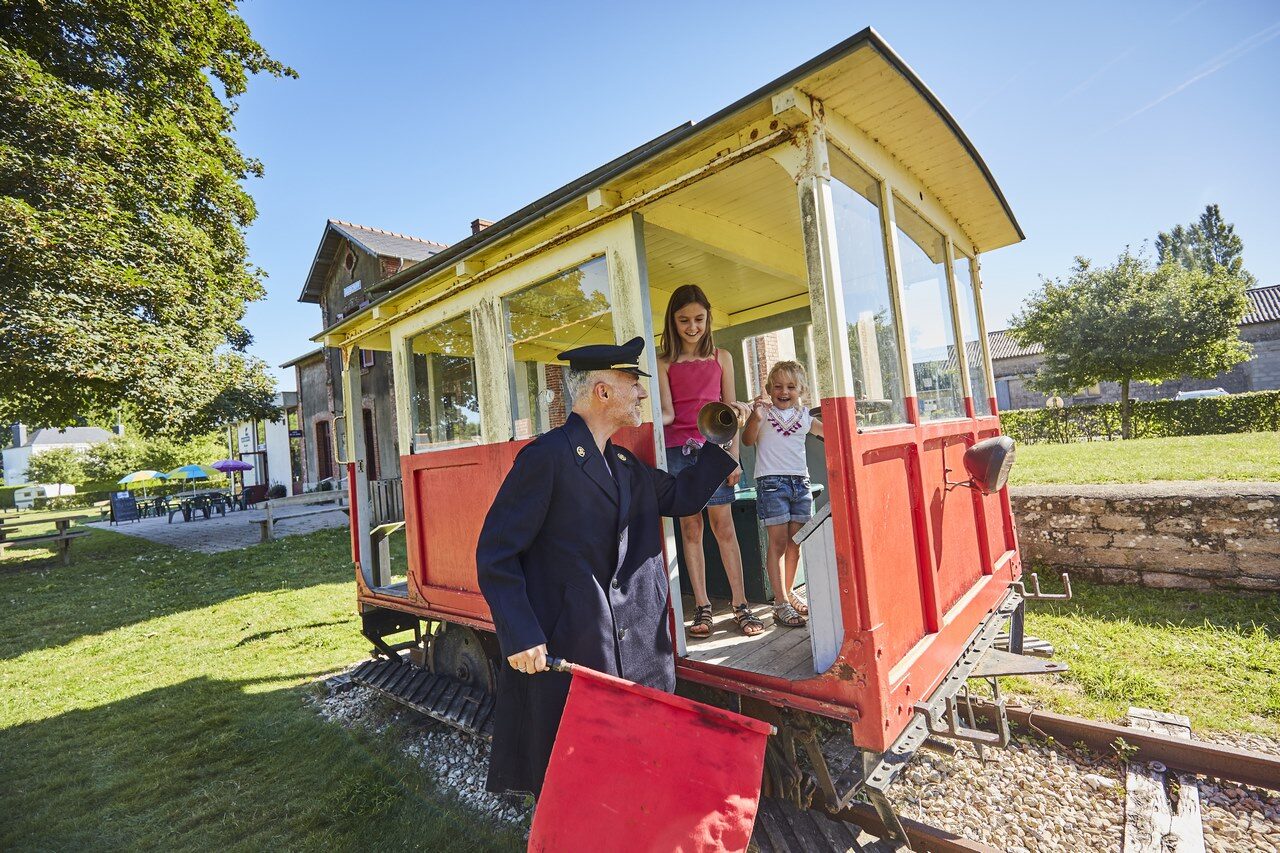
(1035, 797)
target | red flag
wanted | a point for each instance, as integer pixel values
(635, 768)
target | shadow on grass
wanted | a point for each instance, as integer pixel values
(209, 764)
(116, 580)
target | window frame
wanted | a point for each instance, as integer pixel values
(410, 386)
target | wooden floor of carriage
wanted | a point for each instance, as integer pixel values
(779, 651)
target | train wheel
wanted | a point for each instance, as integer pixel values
(457, 652)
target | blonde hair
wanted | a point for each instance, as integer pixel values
(796, 371)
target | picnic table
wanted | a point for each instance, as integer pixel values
(62, 535)
(204, 502)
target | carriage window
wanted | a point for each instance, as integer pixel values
(567, 311)
(864, 277)
(927, 305)
(969, 305)
(444, 405)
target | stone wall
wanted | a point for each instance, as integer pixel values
(1188, 535)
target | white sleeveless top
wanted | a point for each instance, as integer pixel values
(780, 442)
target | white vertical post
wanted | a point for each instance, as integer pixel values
(979, 310)
(962, 356)
(889, 223)
(353, 396)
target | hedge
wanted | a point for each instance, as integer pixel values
(1258, 411)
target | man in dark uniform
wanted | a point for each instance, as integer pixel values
(570, 559)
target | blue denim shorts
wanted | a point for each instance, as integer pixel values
(677, 461)
(783, 497)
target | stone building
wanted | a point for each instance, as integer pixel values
(1014, 365)
(351, 261)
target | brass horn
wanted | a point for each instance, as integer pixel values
(718, 422)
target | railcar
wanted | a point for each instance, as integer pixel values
(838, 215)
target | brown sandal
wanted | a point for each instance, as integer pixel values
(748, 622)
(701, 626)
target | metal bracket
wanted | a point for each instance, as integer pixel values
(1036, 595)
(951, 727)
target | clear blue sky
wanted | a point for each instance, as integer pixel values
(1102, 122)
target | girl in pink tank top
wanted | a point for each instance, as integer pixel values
(691, 373)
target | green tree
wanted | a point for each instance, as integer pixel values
(112, 459)
(58, 465)
(1207, 243)
(1133, 321)
(123, 268)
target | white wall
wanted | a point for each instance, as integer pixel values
(15, 465)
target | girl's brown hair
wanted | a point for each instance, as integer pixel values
(796, 370)
(685, 294)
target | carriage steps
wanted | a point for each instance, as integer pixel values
(437, 696)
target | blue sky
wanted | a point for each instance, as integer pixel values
(1102, 122)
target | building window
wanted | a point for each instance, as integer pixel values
(366, 359)
(370, 445)
(969, 307)
(324, 451)
(569, 310)
(444, 405)
(864, 278)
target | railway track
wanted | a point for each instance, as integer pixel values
(1244, 766)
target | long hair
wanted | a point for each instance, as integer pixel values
(796, 371)
(685, 294)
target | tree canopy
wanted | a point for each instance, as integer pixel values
(1204, 244)
(1134, 321)
(123, 267)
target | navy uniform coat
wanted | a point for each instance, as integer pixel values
(571, 556)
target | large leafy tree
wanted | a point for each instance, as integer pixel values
(1133, 321)
(123, 268)
(1206, 243)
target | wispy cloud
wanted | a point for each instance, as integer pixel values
(1213, 66)
(1125, 54)
(997, 89)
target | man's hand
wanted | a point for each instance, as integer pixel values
(530, 661)
(733, 478)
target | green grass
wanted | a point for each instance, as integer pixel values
(154, 698)
(1213, 656)
(1240, 456)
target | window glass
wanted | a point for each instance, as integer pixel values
(444, 406)
(972, 337)
(927, 305)
(569, 310)
(864, 277)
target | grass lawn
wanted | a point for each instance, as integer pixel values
(154, 698)
(1240, 456)
(1214, 656)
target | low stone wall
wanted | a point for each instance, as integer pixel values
(1188, 535)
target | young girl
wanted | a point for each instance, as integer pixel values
(778, 424)
(691, 373)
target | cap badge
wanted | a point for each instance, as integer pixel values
(582, 453)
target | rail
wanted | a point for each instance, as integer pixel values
(1244, 766)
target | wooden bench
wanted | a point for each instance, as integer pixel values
(62, 538)
(332, 500)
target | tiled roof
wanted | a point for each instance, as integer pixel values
(70, 435)
(1264, 305)
(1004, 346)
(388, 243)
(375, 241)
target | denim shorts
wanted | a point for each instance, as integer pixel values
(677, 461)
(783, 497)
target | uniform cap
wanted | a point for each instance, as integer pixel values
(625, 357)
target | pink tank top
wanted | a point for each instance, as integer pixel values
(693, 384)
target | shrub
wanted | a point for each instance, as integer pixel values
(59, 465)
(277, 491)
(1258, 411)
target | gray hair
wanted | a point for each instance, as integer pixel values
(578, 384)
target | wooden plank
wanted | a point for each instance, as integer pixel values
(1153, 823)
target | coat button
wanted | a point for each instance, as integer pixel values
(616, 584)
(622, 635)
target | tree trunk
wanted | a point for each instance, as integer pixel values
(1124, 409)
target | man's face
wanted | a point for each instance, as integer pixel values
(626, 398)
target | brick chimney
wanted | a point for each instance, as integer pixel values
(478, 225)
